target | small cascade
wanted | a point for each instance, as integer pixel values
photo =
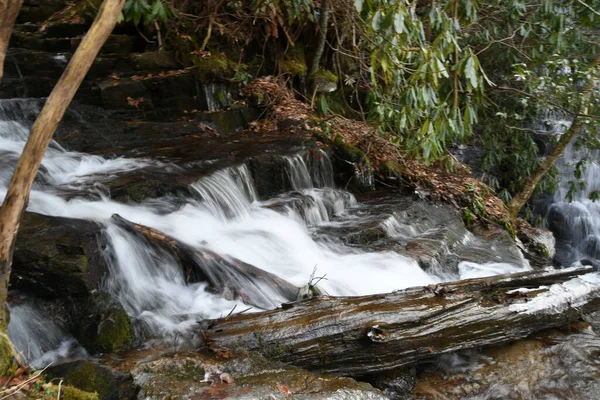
(214, 96)
(38, 340)
(227, 193)
(576, 224)
(315, 199)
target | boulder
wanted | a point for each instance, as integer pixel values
(58, 257)
(240, 376)
(91, 376)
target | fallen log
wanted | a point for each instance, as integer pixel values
(227, 276)
(370, 334)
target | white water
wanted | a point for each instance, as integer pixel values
(224, 216)
(38, 339)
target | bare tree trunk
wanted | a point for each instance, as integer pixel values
(17, 196)
(322, 38)
(371, 334)
(519, 200)
(9, 9)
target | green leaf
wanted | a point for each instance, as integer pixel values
(470, 72)
(399, 22)
(358, 4)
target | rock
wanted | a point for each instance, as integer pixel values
(553, 364)
(538, 244)
(156, 61)
(398, 384)
(58, 257)
(61, 261)
(115, 45)
(115, 94)
(200, 376)
(91, 376)
(39, 10)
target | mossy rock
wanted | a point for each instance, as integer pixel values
(115, 332)
(324, 81)
(216, 66)
(294, 62)
(97, 378)
(7, 359)
(71, 393)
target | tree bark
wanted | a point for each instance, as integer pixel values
(323, 23)
(9, 9)
(17, 196)
(519, 199)
(364, 335)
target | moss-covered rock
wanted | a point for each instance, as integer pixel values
(7, 360)
(294, 62)
(58, 257)
(93, 377)
(71, 393)
(215, 65)
(115, 332)
(324, 81)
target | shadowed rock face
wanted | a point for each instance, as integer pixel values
(58, 257)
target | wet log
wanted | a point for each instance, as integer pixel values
(225, 275)
(370, 334)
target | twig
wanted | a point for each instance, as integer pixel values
(588, 7)
(231, 312)
(59, 385)
(15, 389)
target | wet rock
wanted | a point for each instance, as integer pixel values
(39, 10)
(115, 45)
(115, 94)
(551, 365)
(91, 376)
(58, 257)
(398, 384)
(156, 61)
(538, 244)
(250, 376)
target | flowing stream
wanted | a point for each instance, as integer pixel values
(224, 215)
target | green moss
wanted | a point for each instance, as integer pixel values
(325, 76)
(71, 393)
(392, 168)
(347, 151)
(7, 364)
(294, 62)
(115, 333)
(91, 379)
(216, 65)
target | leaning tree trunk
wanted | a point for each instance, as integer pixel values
(17, 196)
(371, 334)
(9, 9)
(519, 200)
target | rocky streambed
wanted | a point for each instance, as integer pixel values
(231, 221)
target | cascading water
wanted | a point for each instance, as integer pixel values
(38, 339)
(224, 218)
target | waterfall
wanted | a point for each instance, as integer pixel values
(223, 222)
(37, 338)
